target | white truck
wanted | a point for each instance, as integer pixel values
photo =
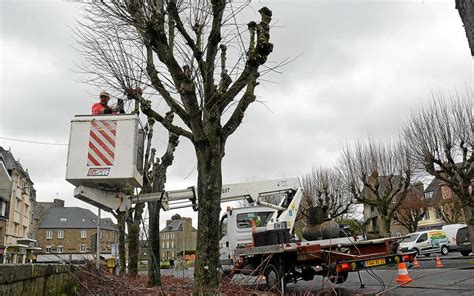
(282, 259)
(105, 158)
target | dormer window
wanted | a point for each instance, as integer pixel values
(63, 219)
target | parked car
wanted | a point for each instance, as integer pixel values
(426, 242)
(451, 231)
(463, 241)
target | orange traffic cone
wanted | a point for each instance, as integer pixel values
(403, 276)
(415, 263)
(438, 262)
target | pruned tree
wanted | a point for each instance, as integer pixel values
(324, 188)
(204, 64)
(378, 174)
(114, 60)
(413, 209)
(440, 138)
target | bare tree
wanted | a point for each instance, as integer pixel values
(440, 138)
(325, 188)
(182, 46)
(378, 174)
(413, 209)
(450, 211)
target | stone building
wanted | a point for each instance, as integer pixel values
(72, 230)
(17, 199)
(178, 235)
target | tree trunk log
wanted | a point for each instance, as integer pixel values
(209, 191)
(121, 227)
(154, 275)
(133, 247)
(469, 218)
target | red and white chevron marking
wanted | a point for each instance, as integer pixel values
(102, 143)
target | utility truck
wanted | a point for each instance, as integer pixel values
(105, 160)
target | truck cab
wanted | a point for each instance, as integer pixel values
(236, 230)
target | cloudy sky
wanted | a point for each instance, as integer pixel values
(362, 66)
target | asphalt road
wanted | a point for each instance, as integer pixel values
(425, 282)
(456, 277)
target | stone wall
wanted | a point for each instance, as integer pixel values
(35, 279)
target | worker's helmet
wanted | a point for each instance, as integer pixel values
(104, 94)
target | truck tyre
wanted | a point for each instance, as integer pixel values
(465, 253)
(339, 278)
(444, 250)
(272, 277)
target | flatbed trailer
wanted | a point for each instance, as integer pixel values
(332, 258)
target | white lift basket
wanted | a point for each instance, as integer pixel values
(105, 152)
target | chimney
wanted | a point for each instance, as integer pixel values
(58, 203)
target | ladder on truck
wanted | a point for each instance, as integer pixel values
(252, 192)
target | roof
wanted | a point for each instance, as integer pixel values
(11, 163)
(175, 225)
(75, 218)
(434, 185)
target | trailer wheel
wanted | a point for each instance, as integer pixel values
(339, 278)
(272, 277)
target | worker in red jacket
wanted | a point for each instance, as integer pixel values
(103, 108)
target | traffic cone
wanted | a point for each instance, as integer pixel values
(415, 263)
(438, 262)
(403, 276)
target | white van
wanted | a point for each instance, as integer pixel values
(451, 231)
(426, 242)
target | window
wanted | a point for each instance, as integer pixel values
(427, 215)
(27, 208)
(60, 233)
(62, 219)
(49, 234)
(261, 219)
(422, 238)
(48, 249)
(3, 208)
(83, 233)
(172, 244)
(223, 226)
(83, 248)
(15, 228)
(167, 245)
(18, 204)
(59, 249)
(25, 231)
(429, 195)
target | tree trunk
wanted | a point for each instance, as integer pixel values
(469, 218)
(154, 275)
(121, 240)
(209, 192)
(386, 226)
(133, 247)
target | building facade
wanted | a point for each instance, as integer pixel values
(178, 235)
(18, 197)
(73, 230)
(441, 208)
